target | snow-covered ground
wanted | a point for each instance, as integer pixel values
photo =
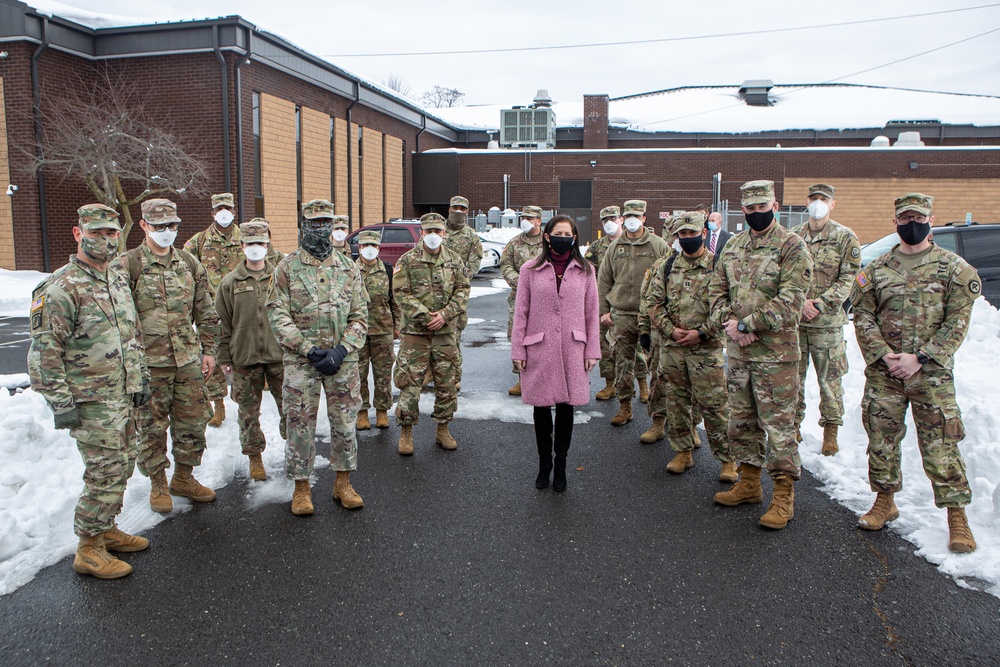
(501, 234)
(40, 478)
(15, 291)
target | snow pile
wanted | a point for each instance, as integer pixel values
(88, 18)
(15, 297)
(500, 234)
(497, 285)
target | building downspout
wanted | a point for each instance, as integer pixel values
(350, 167)
(238, 83)
(36, 95)
(226, 152)
(423, 128)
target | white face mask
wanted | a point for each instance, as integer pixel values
(339, 235)
(633, 224)
(610, 227)
(255, 253)
(526, 225)
(676, 245)
(369, 252)
(164, 239)
(224, 217)
(433, 241)
(818, 209)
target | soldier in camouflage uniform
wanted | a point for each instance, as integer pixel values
(341, 228)
(759, 286)
(520, 250)
(247, 348)
(219, 250)
(87, 362)
(464, 241)
(383, 327)
(690, 366)
(836, 257)
(180, 330)
(318, 312)
(911, 313)
(619, 285)
(431, 288)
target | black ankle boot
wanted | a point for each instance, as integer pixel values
(542, 481)
(559, 474)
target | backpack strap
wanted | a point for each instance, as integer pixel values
(667, 268)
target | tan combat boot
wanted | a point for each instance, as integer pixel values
(363, 424)
(882, 512)
(515, 390)
(92, 558)
(695, 437)
(782, 509)
(960, 539)
(345, 493)
(655, 432)
(624, 413)
(798, 435)
(302, 502)
(607, 392)
(183, 483)
(381, 419)
(681, 462)
(728, 472)
(830, 446)
(257, 471)
(443, 437)
(118, 540)
(746, 490)
(406, 440)
(643, 390)
(219, 414)
(159, 494)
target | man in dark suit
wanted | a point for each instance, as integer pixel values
(717, 236)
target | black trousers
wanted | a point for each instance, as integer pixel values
(546, 436)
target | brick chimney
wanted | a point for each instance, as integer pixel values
(595, 121)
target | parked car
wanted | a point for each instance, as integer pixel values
(397, 237)
(491, 253)
(978, 244)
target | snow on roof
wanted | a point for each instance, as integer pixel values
(798, 107)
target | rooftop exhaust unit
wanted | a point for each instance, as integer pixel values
(755, 92)
(529, 127)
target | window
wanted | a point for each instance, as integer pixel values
(982, 247)
(396, 235)
(948, 241)
(333, 165)
(258, 201)
(298, 158)
(575, 194)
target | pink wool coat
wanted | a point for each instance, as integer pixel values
(554, 332)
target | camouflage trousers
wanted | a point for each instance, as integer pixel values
(630, 360)
(179, 403)
(215, 385)
(695, 377)
(300, 394)
(826, 347)
(378, 353)
(931, 396)
(248, 390)
(511, 299)
(657, 404)
(416, 355)
(607, 365)
(106, 438)
(762, 415)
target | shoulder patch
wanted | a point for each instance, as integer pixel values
(38, 303)
(646, 276)
(975, 287)
(396, 269)
(862, 279)
(855, 252)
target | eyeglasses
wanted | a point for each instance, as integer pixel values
(913, 217)
(172, 226)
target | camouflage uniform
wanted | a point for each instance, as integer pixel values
(463, 241)
(925, 309)
(344, 223)
(762, 281)
(85, 353)
(383, 319)
(836, 257)
(425, 283)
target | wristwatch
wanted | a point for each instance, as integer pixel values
(922, 358)
(702, 336)
(742, 327)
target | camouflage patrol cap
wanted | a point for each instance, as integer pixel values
(914, 201)
(693, 220)
(341, 222)
(756, 192)
(257, 230)
(370, 236)
(432, 221)
(610, 212)
(822, 189)
(159, 211)
(224, 199)
(98, 216)
(317, 208)
(459, 201)
(634, 207)
(531, 212)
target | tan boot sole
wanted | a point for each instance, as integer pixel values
(82, 569)
(678, 470)
(776, 525)
(163, 508)
(893, 515)
(303, 511)
(190, 496)
(346, 505)
(754, 500)
(648, 439)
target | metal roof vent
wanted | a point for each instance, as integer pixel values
(754, 92)
(542, 98)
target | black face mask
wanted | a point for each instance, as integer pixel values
(457, 219)
(690, 244)
(561, 244)
(315, 239)
(913, 232)
(759, 220)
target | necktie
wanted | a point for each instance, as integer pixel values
(711, 247)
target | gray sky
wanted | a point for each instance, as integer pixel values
(337, 29)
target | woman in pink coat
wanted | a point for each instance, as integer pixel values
(555, 341)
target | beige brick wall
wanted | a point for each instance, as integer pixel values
(372, 197)
(278, 170)
(356, 177)
(315, 155)
(340, 166)
(393, 165)
(866, 204)
(6, 215)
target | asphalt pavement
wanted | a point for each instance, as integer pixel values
(456, 559)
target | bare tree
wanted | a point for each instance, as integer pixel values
(439, 97)
(396, 82)
(104, 134)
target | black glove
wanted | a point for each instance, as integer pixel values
(330, 364)
(142, 397)
(68, 419)
(315, 355)
(644, 342)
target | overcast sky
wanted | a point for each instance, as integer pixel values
(340, 30)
